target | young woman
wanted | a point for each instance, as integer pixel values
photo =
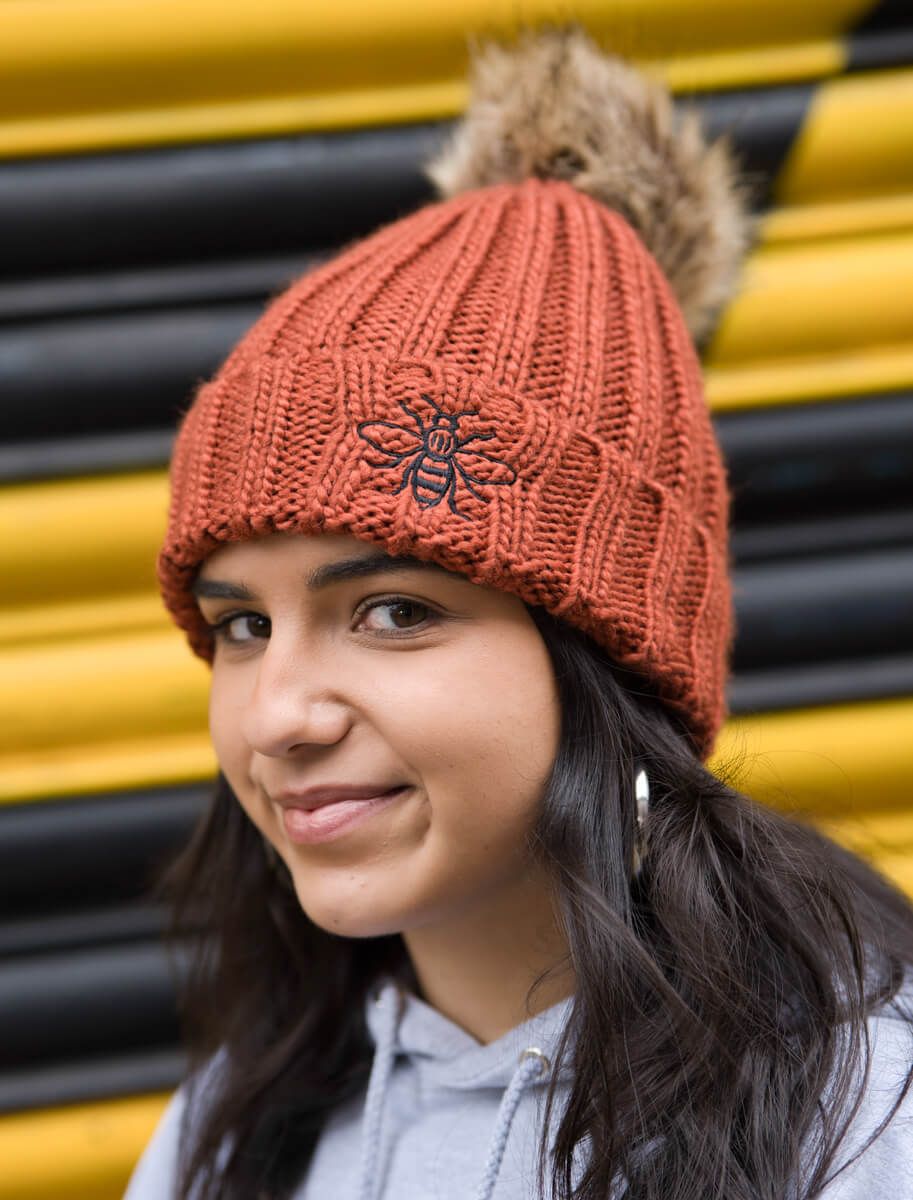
(450, 525)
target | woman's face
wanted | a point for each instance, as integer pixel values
(388, 726)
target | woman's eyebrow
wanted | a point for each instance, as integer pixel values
(215, 589)
(374, 564)
(326, 575)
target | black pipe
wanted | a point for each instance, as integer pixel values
(102, 1000)
(821, 535)
(84, 1080)
(284, 194)
(834, 456)
(881, 50)
(78, 928)
(134, 289)
(90, 852)
(201, 202)
(761, 124)
(804, 686)
(883, 37)
(86, 454)
(105, 373)
(826, 609)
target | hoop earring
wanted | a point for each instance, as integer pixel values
(642, 807)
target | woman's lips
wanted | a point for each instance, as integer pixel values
(320, 816)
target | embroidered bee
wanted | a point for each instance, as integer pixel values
(436, 456)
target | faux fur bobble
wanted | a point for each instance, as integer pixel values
(555, 106)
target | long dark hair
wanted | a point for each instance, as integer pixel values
(718, 1036)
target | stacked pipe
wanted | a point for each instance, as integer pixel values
(154, 194)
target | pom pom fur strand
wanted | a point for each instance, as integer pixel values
(556, 107)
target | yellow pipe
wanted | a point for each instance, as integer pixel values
(881, 836)
(810, 321)
(103, 73)
(856, 139)
(81, 1153)
(107, 766)
(836, 761)
(820, 299)
(770, 65)
(99, 690)
(847, 768)
(257, 117)
(93, 616)
(810, 378)
(387, 104)
(65, 540)
(897, 867)
(840, 218)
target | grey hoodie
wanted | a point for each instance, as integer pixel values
(446, 1118)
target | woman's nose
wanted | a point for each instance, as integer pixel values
(293, 704)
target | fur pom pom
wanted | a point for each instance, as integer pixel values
(557, 107)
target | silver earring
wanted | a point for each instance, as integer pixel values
(642, 806)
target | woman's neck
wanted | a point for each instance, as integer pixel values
(478, 971)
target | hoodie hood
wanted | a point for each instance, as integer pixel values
(449, 1055)
(445, 1058)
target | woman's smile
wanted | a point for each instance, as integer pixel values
(322, 814)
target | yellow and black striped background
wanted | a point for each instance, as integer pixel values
(165, 167)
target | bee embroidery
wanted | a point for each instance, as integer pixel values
(436, 456)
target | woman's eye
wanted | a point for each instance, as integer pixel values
(391, 616)
(242, 627)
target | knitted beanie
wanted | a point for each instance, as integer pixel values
(505, 382)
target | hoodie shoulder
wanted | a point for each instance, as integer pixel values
(155, 1175)
(876, 1156)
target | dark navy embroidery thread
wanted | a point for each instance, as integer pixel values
(436, 456)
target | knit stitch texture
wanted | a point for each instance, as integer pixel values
(502, 383)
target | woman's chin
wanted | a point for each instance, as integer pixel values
(347, 919)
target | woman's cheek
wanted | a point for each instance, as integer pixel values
(225, 729)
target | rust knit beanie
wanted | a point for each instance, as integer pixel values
(505, 382)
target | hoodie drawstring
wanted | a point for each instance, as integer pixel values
(533, 1063)
(388, 1001)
